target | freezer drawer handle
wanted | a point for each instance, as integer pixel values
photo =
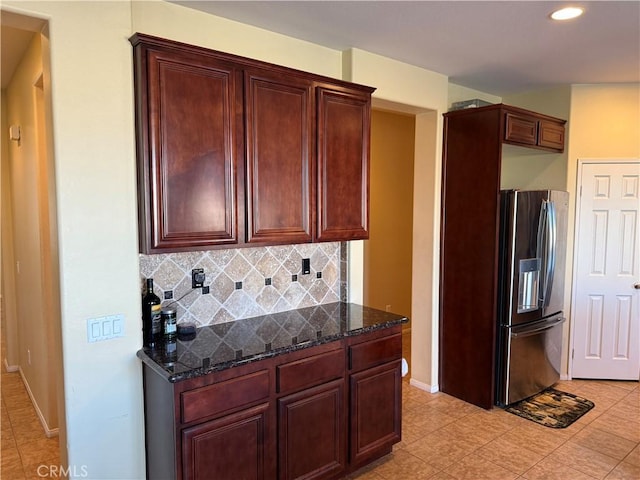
(535, 331)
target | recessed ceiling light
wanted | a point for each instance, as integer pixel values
(567, 13)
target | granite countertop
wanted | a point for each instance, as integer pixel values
(227, 345)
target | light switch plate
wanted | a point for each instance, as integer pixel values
(105, 328)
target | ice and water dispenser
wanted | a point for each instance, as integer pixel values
(528, 284)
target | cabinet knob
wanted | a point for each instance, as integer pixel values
(637, 286)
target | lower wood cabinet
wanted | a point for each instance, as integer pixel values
(235, 446)
(317, 413)
(375, 411)
(311, 433)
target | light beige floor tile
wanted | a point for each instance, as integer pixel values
(403, 464)
(510, 455)
(442, 475)
(634, 456)
(442, 449)
(22, 414)
(604, 442)
(620, 426)
(584, 459)
(41, 451)
(475, 467)
(624, 471)
(475, 430)
(427, 419)
(552, 469)
(11, 464)
(28, 432)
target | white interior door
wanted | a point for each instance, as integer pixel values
(606, 318)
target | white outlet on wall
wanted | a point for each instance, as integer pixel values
(388, 308)
(29, 356)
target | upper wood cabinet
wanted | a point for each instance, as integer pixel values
(533, 129)
(189, 109)
(344, 124)
(233, 151)
(279, 125)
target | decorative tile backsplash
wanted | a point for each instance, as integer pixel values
(247, 282)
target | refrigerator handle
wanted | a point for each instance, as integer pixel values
(546, 248)
(542, 328)
(552, 232)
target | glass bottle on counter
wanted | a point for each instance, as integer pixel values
(169, 322)
(151, 316)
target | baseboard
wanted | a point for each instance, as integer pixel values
(10, 368)
(424, 386)
(49, 432)
(565, 377)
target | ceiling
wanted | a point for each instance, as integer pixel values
(499, 47)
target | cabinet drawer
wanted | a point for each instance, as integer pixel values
(521, 129)
(224, 396)
(375, 352)
(311, 371)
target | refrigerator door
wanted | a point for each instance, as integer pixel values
(533, 239)
(531, 359)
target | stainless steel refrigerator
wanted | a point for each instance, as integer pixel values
(533, 226)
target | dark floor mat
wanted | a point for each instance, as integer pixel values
(552, 408)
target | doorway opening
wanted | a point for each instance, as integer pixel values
(32, 373)
(388, 252)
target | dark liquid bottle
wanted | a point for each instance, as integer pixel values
(151, 317)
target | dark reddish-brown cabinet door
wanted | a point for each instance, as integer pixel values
(376, 405)
(520, 129)
(551, 135)
(193, 119)
(344, 127)
(235, 446)
(311, 433)
(279, 126)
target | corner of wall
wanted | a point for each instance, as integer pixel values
(347, 65)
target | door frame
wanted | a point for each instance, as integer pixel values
(574, 256)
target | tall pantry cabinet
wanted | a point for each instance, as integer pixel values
(472, 157)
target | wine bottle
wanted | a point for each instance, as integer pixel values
(151, 316)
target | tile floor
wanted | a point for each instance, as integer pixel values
(26, 451)
(443, 438)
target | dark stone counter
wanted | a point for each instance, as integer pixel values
(227, 345)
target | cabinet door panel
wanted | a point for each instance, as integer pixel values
(230, 448)
(521, 130)
(311, 432)
(375, 411)
(551, 135)
(192, 168)
(279, 169)
(344, 125)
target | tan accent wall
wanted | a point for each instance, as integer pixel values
(387, 253)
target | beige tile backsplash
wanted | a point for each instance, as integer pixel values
(252, 267)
